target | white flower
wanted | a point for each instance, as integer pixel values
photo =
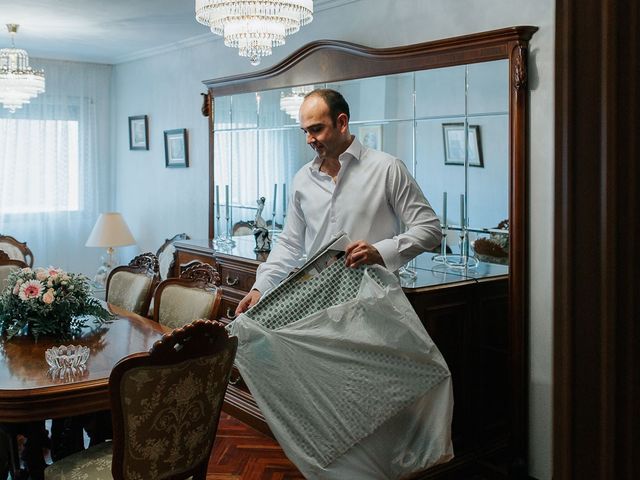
(41, 274)
(30, 289)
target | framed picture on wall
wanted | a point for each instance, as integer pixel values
(454, 144)
(371, 136)
(138, 133)
(176, 148)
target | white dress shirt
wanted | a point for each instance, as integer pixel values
(372, 197)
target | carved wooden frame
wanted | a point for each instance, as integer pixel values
(330, 61)
(6, 260)
(22, 246)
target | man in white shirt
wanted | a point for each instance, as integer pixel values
(347, 187)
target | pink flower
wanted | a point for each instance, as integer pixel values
(48, 297)
(53, 272)
(30, 289)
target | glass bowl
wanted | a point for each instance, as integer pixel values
(67, 361)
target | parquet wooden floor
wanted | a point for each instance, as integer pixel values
(242, 453)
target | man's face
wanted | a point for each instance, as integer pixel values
(327, 139)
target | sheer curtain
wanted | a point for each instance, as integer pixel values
(55, 165)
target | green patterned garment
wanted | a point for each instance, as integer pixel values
(302, 296)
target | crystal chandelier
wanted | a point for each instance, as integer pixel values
(291, 102)
(19, 83)
(254, 26)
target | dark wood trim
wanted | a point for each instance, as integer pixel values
(332, 60)
(518, 254)
(596, 274)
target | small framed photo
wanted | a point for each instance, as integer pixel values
(371, 136)
(454, 144)
(138, 133)
(176, 148)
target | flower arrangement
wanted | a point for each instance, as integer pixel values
(48, 301)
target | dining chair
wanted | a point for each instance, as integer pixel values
(166, 405)
(16, 250)
(131, 286)
(8, 265)
(195, 294)
(166, 255)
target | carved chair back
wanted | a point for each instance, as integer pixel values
(195, 294)
(170, 398)
(166, 255)
(131, 286)
(16, 250)
(165, 407)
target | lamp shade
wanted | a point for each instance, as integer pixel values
(110, 231)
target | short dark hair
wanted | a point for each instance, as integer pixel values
(334, 100)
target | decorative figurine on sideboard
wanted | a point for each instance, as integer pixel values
(260, 230)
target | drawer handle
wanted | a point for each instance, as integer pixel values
(234, 379)
(230, 314)
(231, 282)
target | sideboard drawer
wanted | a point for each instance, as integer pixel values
(236, 277)
(228, 309)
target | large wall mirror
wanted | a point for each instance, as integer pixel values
(420, 117)
(454, 110)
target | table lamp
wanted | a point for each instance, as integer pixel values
(109, 231)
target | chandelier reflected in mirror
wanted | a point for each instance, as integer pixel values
(19, 83)
(254, 26)
(291, 102)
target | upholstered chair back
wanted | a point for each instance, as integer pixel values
(8, 265)
(166, 406)
(195, 294)
(16, 250)
(131, 287)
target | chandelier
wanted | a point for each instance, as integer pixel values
(19, 83)
(254, 26)
(290, 103)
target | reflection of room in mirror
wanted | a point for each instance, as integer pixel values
(371, 136)
(407, 111)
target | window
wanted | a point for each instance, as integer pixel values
(39, 166)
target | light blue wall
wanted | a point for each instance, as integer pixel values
(158, 202)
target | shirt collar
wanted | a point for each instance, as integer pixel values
(353, 151)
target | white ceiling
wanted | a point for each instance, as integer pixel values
(105, 31)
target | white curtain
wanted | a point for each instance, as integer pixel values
(55, 165)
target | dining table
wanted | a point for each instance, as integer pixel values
(31, 392)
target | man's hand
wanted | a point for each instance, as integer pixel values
(248, 301)
(362, 253)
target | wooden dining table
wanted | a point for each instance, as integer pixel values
(28, 392)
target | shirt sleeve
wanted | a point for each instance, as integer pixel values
(286, 253)
(422, 225)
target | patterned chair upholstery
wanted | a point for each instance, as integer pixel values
(131, 286)
(8, 265)
(166, 405)
(177, 301)
(16, 250)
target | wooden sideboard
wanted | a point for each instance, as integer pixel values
(465, 312)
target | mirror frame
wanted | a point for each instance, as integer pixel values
(332, 61)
